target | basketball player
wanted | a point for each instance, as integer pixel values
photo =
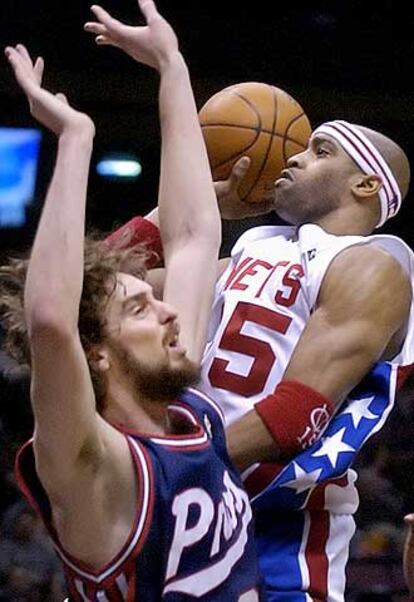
(310, 325)
(134, 486)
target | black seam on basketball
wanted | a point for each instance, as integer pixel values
(248, 127)
(257, 130)
(287, 139)
(253, 108)
(269, 146)
(236, 155)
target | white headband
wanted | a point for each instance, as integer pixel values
(369, 159)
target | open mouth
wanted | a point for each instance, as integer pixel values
(174, 341)
(172, 336)
(176, 347)
(285, 176)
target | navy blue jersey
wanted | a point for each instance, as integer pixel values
(192, 536)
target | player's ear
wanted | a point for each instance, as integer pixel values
(366, 186)
(98, 359)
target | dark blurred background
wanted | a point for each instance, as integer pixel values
(350, 59)
(345, 59)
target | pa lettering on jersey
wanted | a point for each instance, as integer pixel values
(207, 534)
(254, 274)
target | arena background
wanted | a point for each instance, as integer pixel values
(349, 59)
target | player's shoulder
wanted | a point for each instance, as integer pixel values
(210, 417)
(202, 405)
(371, 269)
(382, 252)
(376, 257)
(365, 257)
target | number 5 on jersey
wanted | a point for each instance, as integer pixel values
(261, 352)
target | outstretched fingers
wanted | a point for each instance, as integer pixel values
(149, 10)
(22, 69)
(10, 55)
(24, 53)
(14, 56)
(106, 29)
(104, 17)
(101, 33)
(38, 69)
(20, 58)
(96, 28)
(28, 75)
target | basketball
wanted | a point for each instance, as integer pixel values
(257, 120)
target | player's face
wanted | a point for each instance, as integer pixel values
(315, 183)
(143, 341)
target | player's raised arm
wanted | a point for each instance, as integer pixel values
(189, 218)
(62, 395)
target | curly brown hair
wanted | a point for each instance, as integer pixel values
(102, 263)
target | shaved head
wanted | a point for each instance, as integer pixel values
(394, 156)
(347, 174)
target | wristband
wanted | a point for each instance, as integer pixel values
(139, 231)
(295, 416)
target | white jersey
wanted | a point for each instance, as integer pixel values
(263, 302)
(303, 507)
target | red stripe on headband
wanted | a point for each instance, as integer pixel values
(375, 169)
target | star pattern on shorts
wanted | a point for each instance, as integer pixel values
(330, 457)
(303, 480)
(359, 409)
(333, 446)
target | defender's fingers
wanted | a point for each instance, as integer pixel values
(22, 50)
(149, 10)
(104, 17)
(104, 41)
(22, 72)
(96, 28)
(39, 68)
(13, 57)
(8, 51)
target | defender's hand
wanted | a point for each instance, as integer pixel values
(52, 111)
(153, 45)
(230, 204)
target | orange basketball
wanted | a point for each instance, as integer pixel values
(260, 121)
